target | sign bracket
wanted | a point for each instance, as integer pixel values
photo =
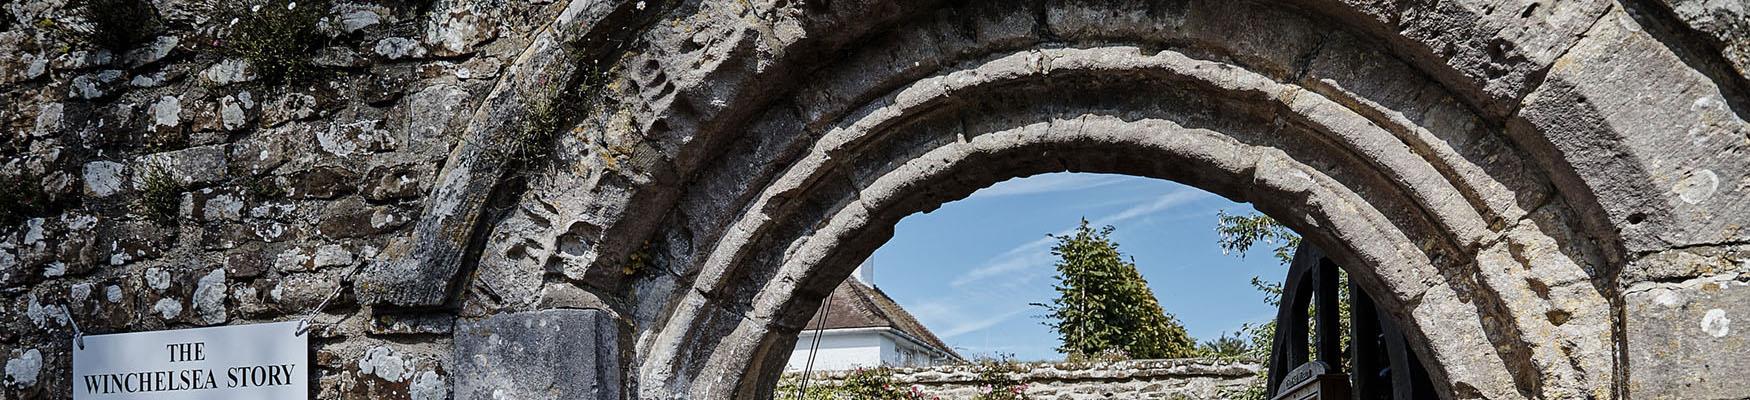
(304, 324)
(78, 335)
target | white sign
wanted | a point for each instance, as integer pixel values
(264, 362)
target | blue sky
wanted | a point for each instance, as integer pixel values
(969, 269)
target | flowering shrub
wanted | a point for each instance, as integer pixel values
(862, 384)
(997, 381)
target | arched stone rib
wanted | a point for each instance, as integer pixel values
(422, 271)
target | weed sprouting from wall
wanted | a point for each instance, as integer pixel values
(862, 383)
(119, 25)
(264, 188)
(161, 195)
(21, 196)
(276, 37)
(638, 261)
(547, 116)
(997, 379)
(536, 136)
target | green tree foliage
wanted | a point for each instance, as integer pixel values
(1104, 304)
(1226, 347)
(1239, 233)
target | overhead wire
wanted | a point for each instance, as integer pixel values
(813, 348)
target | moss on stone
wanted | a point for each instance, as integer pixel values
(638, 261)
(264, 188)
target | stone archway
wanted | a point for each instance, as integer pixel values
(1304, 158)
(1491, 168)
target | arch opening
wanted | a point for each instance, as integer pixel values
(972, 270)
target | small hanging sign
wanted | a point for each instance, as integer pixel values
(263, 361)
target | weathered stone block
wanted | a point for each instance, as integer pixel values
(322, 183)
(192, 166)
(1658, 137)
(551, 354)
(389, 183)
(1679, 337)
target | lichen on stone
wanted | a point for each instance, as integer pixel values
(22, 372)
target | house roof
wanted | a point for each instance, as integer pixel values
(857, 305)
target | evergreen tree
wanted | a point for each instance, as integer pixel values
(1104, 305)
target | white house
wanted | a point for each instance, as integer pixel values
(864, 328)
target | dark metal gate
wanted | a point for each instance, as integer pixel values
(1378, 364)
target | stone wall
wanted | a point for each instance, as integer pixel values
(1549, 193)
(171, 182)
(1137, 379)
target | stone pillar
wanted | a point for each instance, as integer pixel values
(549, 354)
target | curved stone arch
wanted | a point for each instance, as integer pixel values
(1477, 110)
(740, 54)
(800, 215)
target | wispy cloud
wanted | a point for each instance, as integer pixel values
(1162, 203)
(1018, 259)
(968, 326)
(1048, 183)
(1035, 255)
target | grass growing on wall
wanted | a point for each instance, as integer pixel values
(119, 25)
(21, 196)
(161, 196)
(277, 37)
(535, 138)
(996, 381)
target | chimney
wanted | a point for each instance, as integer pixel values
(865, 272)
